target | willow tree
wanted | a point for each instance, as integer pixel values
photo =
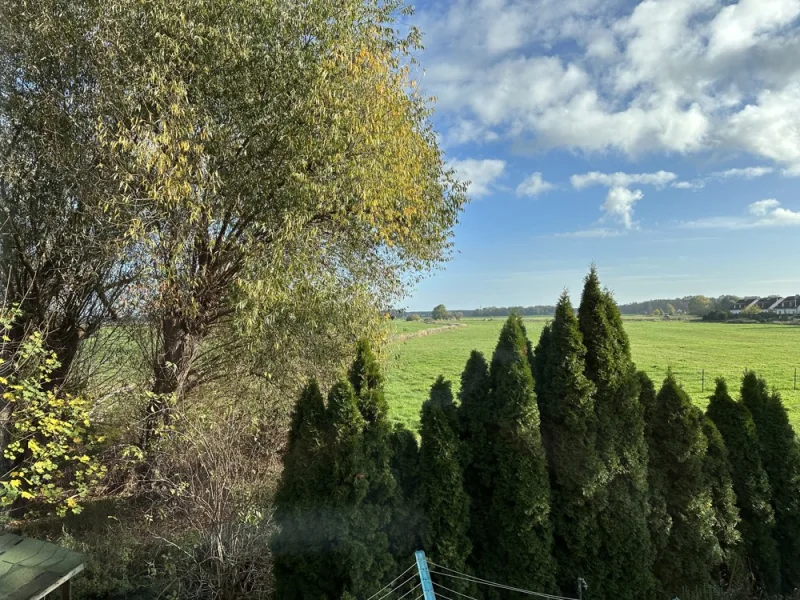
(780, 456)
(621, 445)
(569, 431)
(271, 165)
(61, 248)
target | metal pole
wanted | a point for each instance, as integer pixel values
(795, 379)
(424, 576)
(703, 382)
(581, 586)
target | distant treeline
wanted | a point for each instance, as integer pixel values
(722, 303)
(504, 311)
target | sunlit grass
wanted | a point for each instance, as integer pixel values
(688, 347)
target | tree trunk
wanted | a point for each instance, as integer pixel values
(171, 374)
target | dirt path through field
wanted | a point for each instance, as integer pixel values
(408, 336)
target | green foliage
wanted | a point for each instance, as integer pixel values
(298, 544)
(621, 446)
(657, 313)
(700, 305)
(780, 457)
(50, 443)
(751, 310)
(367, 381)
(717, 470)
(678, 448)
(406, 515)
(440, 313)
(750, 482)
(518, 541)
(659, 521)
(475, 414)
(569, 432)
(670, 309)
(443, 500)
(413, 317)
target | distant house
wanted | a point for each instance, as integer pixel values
(745, 302)
(790, 305)
(780, 305)
(768, 303)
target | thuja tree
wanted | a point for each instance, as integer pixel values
(569, 432)
(367, 380)
(780, 457)
(442, 498)
(519, 538)
(475, 414)
(298, 545)
(678, 449)
(406, 518)
(658, 518)
(621, 446)
(750, 482)
(717, 469)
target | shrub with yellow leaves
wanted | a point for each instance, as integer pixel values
(48, 454)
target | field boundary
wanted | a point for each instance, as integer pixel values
(402, 337)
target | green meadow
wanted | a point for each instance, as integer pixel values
(697, 352)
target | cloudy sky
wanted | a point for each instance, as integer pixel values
(659, 139)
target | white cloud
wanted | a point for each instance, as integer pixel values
(600, 232)
(763, 207)
(480, 173)
(658, 179)
(665, 76)
(746, 173)
(763, 213)
(533, 185)
(619, 204)
(696, 184)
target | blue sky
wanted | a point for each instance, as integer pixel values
(659, 139)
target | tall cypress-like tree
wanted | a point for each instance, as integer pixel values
(406, 517)
(659, 520)
(353, 534)
(569, 433)
(476, 416)
(750, 482)
(717, 470)
(519, 538)
(298, 546)
(367, 381)
(678, 449)
(621, 446)
(442, 498)
(780, 457)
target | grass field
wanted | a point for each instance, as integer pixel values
(688, 347)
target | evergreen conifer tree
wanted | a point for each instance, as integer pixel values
(519, 539)
(750, 483)
(569, 432)
(297, 546)
(539, 360)
(717, 470)
(406, 517)
(780, 457)
(476, 416)
(621, 446)
(658, 519)
(678, 447)
(442, 498)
